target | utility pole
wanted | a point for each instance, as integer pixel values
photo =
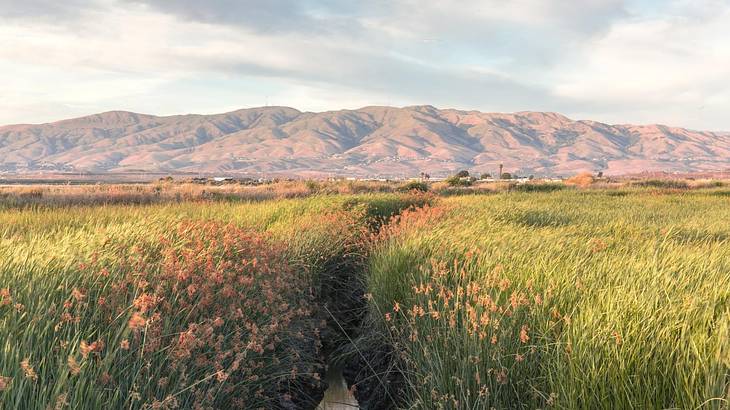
(499, 176)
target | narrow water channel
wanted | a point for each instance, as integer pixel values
(337, 396)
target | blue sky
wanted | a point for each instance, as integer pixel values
(608, 60)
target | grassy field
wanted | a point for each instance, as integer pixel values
(45, 195)
(559, 297)
(574, 299)
(193, 305)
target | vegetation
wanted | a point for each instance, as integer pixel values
(538, 187)
(534, 296)
(457, 181)
(173, 305)
(583, 180)
(17, 196)
(566, 299)
(662, 183)
(419, 186)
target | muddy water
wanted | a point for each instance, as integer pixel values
(337, 396)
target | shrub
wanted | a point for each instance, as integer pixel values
(458, 181)
(312, 186)
(414, 186)
(583, 180)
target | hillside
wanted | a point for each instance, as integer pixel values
(371, 141)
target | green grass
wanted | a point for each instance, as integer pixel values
(632, 307)
(227, 294)
(565, 299)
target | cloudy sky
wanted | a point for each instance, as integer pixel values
(639, 61)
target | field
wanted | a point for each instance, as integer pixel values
(571, 299)
(534, 298)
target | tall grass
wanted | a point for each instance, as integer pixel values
(570, 299)
(38, 195)
(567, 299)
(188, 305)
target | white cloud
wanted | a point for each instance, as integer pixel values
(665, 67)
(613, 60)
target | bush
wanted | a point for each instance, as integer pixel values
(458, 181)
(414, 186)
(584, 179)
(312, 186)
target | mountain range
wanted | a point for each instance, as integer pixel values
(371, 141)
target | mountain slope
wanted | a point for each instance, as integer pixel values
(369, 141)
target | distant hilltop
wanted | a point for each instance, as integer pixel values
(371, 141)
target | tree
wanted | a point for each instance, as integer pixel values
(462, 174)
(600, 174)
(485, 176)
(458, 181)
(506, 175)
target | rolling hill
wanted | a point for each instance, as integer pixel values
(371, 141)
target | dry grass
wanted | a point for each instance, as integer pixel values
(583, 180)
(20, 196)
(105, 194)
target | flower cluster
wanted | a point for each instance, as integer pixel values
(215, 308)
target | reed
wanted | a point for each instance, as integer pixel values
(571, 299)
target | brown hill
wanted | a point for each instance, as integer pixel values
(371, 141)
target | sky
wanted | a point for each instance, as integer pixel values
(615, 61)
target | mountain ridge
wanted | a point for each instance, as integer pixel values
(369, 141)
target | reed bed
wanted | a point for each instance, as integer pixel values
(58, 195)
(188, 305)
(536, 297)
(571, 299)
(24, 196)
